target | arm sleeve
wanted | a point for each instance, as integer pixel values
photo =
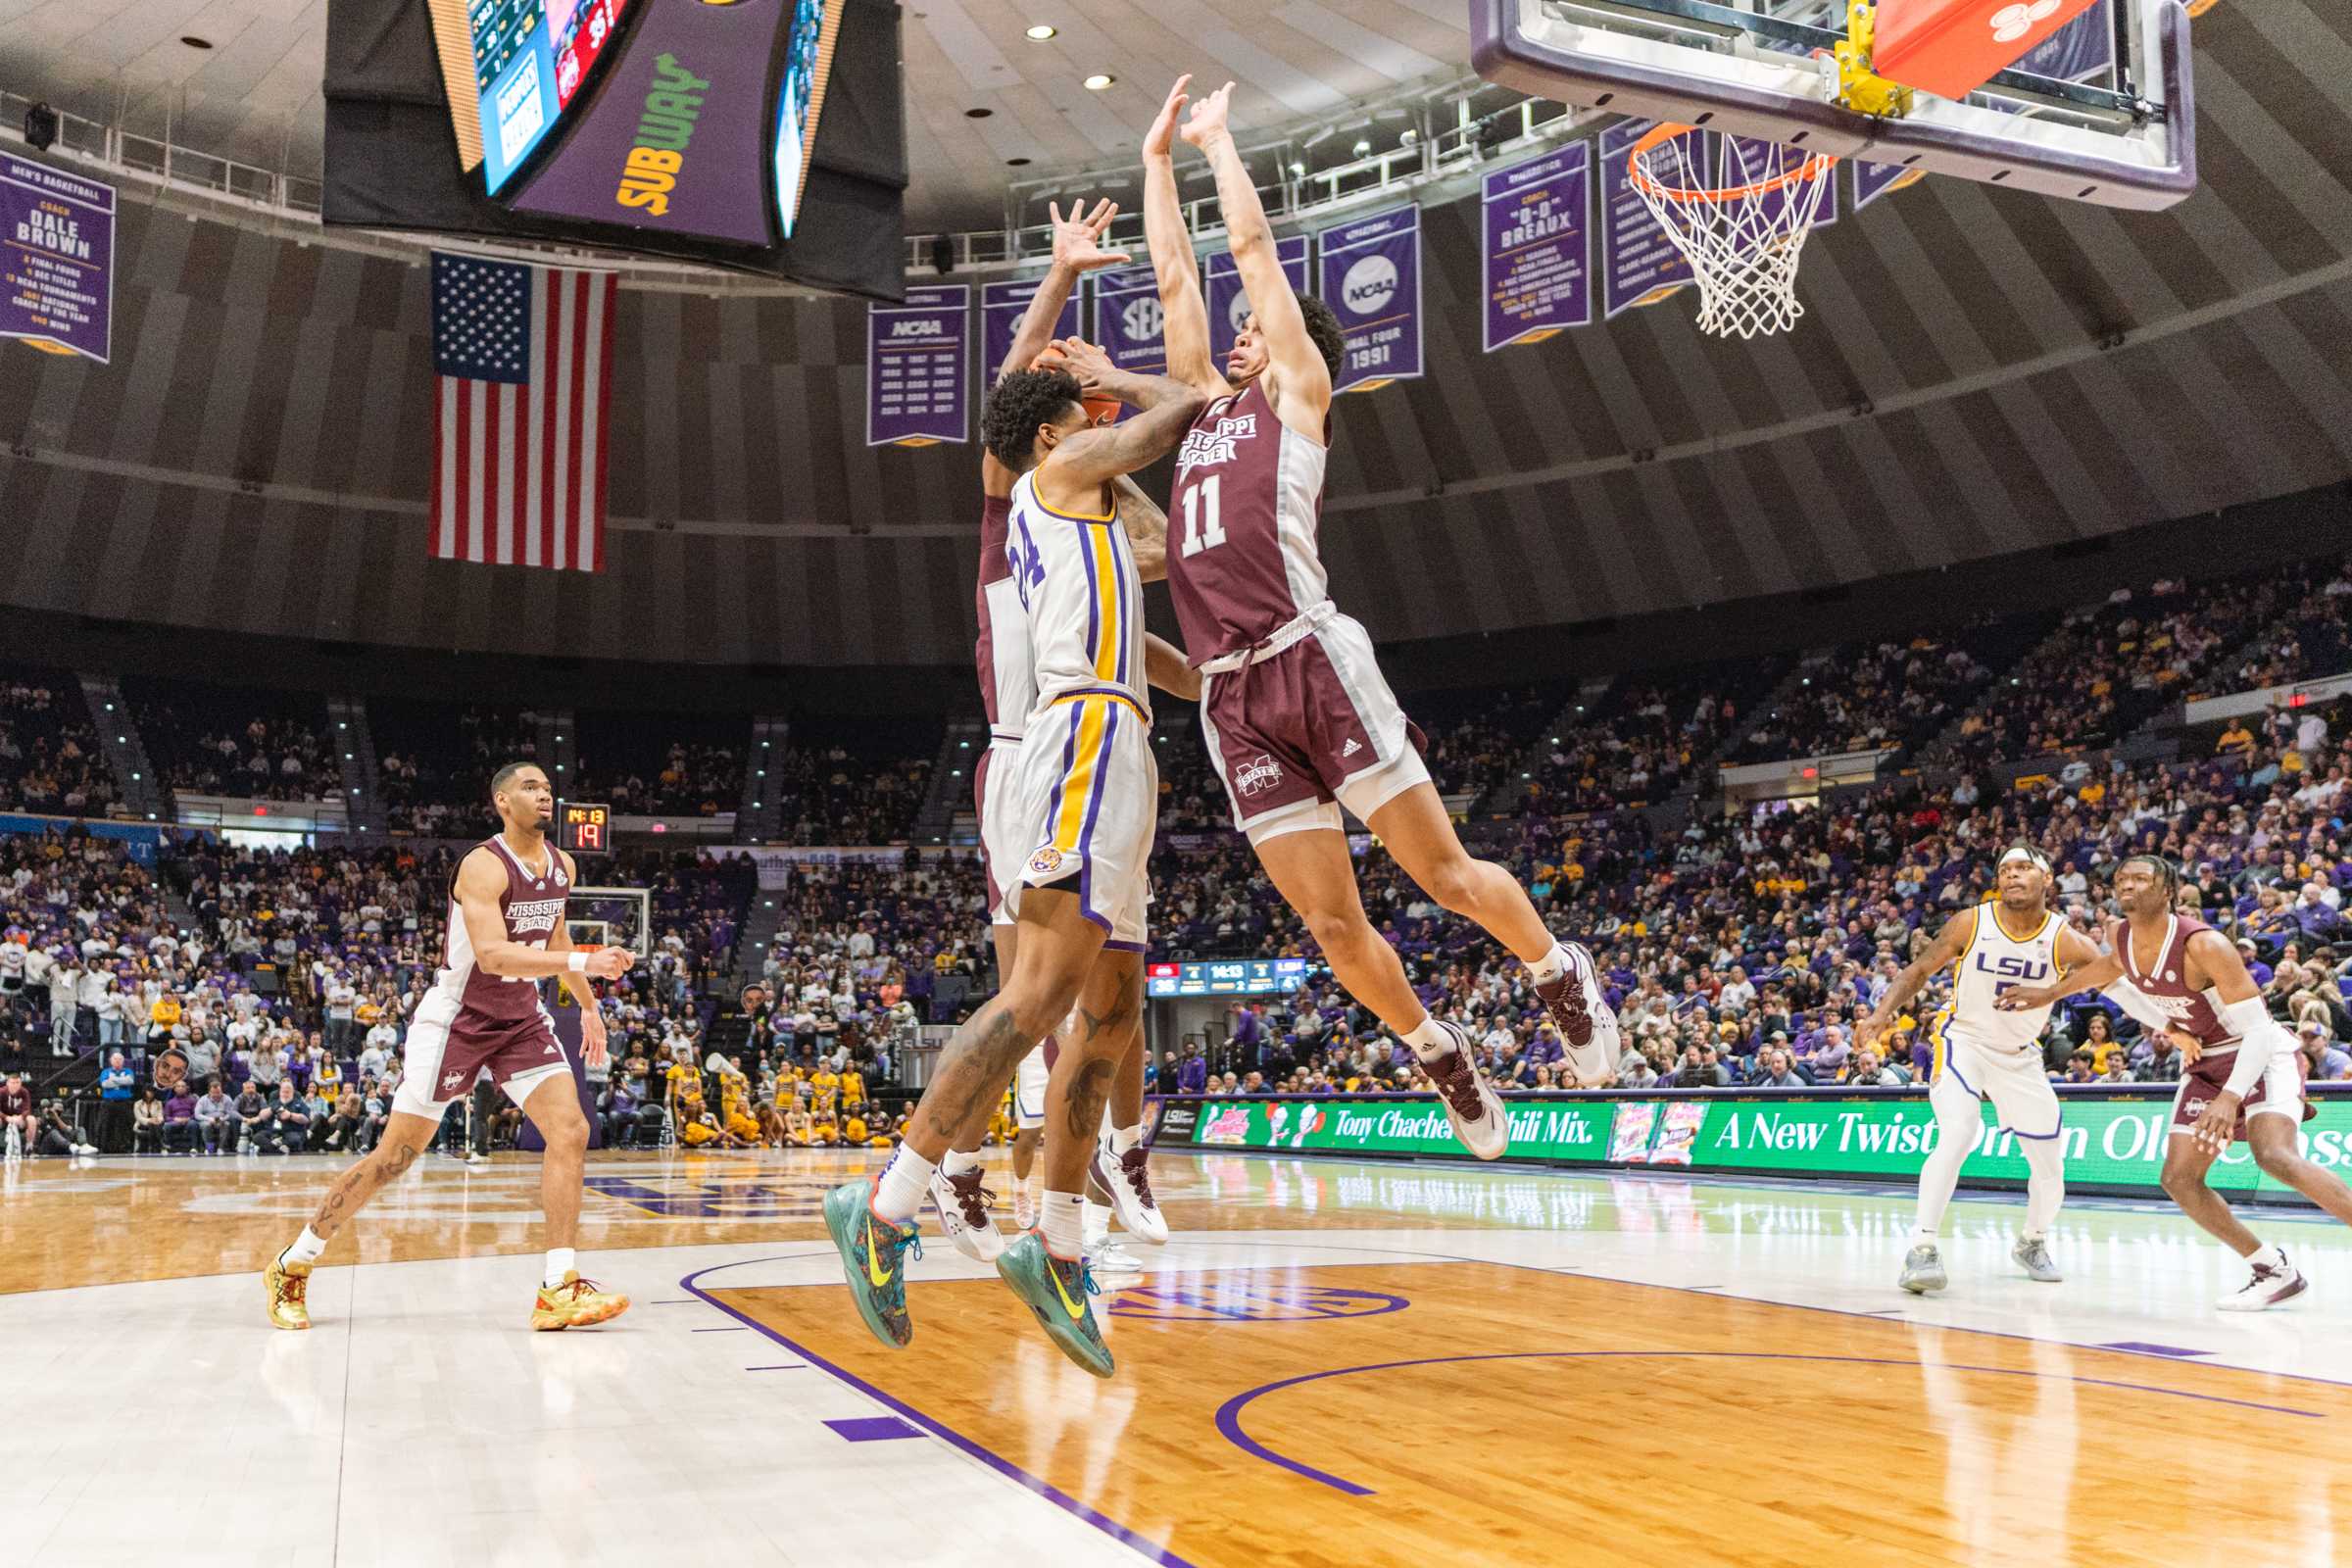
(2136, 1004)
(2260, 1039)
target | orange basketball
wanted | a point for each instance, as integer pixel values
(1101, 411)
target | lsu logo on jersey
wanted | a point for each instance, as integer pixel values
(2011, 968)
(1204, 447)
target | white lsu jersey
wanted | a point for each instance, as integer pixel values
(1082, 598)
(1993, 962)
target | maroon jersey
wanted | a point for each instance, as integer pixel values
(2165, 982)
(531, 905)
(1242, 524)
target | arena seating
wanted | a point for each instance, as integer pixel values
(667, 764)
(433, 761)
(49, 757)
(251, 743)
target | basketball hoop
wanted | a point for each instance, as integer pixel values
(1741, 228)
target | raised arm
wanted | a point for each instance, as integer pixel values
(1146, 528)
(1302, 380)
(2096, 973)
(1184, 312)
(1949, 944)
(1088, 460)
(1077, 250)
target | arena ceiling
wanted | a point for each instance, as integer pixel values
(1983, 372)
(254, 94)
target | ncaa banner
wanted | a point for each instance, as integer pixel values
(57, 256)
(1874, 180)
(1229, 305)
(1638, 265)
(1002, 306)
(1128, 322)
(1372, 277)
(916, 373)
(1536, 246)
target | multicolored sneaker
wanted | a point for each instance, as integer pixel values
(289, 1286)
(2273, 1284)
(1057, 1291)
(872, 1256)
(1127, 1180)
(1471, 1103)
(963, 1214)
(1574, 996)
(576, 1305)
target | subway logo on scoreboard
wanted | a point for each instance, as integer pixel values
(2110, 1142)
(664, 132)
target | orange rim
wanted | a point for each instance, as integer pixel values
(1814, 167)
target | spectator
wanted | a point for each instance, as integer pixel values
(1775, 1071)
(19, 1127)
(180, 1121)
(216, 1119)
(115, 1087)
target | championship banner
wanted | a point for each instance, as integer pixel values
(57, 263)
(1874, 180)
(1536, 242)
(1129, 325)
(2113, 1142)
(1229, 305)
(916, 373)
(1002, 306)
(1638, 265)
(1371, 271)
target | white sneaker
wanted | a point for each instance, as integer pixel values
(963, 1204)
(478, 1158)
(1128, 1182)
(1471, 1103)
(2273, 1284)
(1025, 1203)
(1109, 1257)
(85, 1148)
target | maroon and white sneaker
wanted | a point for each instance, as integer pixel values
(1471, 1103)
(2273, 1284)
(1128, 1180)
(963, 1214)
(1574, 1000)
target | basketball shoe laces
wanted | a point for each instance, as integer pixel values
(972, 1197)
(294, 1288)
(1134, 1166)
(576, 1288)
(1458, 1083)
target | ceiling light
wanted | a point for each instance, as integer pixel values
(978, 114)
(1363, 147)
(1100, 80)
(1017, 163)
(1042, 31)
(1298, 169)
(194, 42)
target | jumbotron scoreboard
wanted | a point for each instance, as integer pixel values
(1226, 977)
(583, 828)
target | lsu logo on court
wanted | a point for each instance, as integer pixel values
(1217, 445)
(663, 131)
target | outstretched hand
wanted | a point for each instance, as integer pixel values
(1083, 359)
(1077, 239)
(1161, 139)
(1207, 120)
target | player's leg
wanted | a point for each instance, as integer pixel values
(1120, 1160)
(2273, 1137)
(956, 1187)
(1957, 1126)
(551, 1098)
(2027, 1106)
(287, 1278)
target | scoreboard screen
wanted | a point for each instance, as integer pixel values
(529, 58)
(583, 829)
(1226, 977)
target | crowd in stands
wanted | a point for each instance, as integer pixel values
(433, 767)
(2312, 637)
(861, 784)
(1642, 741)
(251, 745)
(661, 765)
(50, 763)
(1868, 697)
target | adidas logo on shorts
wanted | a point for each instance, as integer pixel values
(1352, 747)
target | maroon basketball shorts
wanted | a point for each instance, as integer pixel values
(447, 1051)
(2279, 1092)
(1006, 836)
(1304, 725)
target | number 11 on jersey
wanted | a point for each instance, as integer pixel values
(1203, 528)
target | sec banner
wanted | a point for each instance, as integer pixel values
(1228, 304)
(1537, 246)
(1129, 325)
(1372, 277)
(916, 373)
(1002, 306)
(57, 264)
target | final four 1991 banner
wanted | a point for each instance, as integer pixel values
(57, 256)
(917, 367)
(1372, 277)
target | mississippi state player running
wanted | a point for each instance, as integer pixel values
(1088, 788)
(1297, 716)
(2244, 1079)
(1984, 1052)
(506, 933)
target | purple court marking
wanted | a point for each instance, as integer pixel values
(874, 1428)
(1151, 1549)
(2143, 1348)
(1229, 1414)
(1284, 1303)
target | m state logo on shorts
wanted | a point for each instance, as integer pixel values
(1260, 773)
(451, 1080)
(1045, 862)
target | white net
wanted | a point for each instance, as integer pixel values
(1739, 208)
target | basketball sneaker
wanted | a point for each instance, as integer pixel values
(1024, 1201)
(575, 1303)
(963, 1214)
(1575, 997)
(873, 1256)
(1128, 1180)
(1057, 1291)
(289, 1286)
(1471, 1103)
(2032, 1254)
(1108, 1256)
(2273, 1284)
(1923, 1270)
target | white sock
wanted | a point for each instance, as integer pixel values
(306, 1248)
(1430, 1041)
(1062, 1220)
(958, 1161)
(2267, 1256)
(1956, 1127)
(1550, 966)
(559, 1262)
(898, 1194)
(1122, 1139)
(1096, 1229)
(2046, 1185)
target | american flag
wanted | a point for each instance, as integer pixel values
(524, 355)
